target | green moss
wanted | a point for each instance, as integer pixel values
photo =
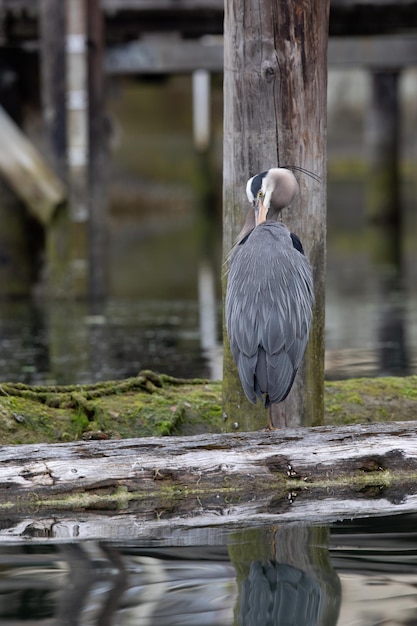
(371, 400)
(162, 405)
(80, 422)
(357, 481)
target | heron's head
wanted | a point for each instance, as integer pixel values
(270, 192)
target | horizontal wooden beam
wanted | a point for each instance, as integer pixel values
(167, 55)
(371, 17)
(112, 6)
(155, 485)
(379, 51)
(127, 19)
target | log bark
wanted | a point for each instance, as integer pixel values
(313, 475)
(275, 77)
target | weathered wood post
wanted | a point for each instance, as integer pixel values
(275, 79)
(384, 218)
(65, 102)
(77, 144)
(72, 45)
(98, 170)
(52, 25)
(52, 53)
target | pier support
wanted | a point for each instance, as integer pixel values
(73, 105)
(98, 164)
(384, 218)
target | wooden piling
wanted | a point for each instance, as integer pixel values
(384, 214)
(73, 106)
(382, 135)
(77, 144)
(53, 72)
(98, 154)
(275, 79)
(64, 86)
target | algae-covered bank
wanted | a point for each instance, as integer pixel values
(156, 404)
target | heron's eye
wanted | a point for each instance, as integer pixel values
(260, 194)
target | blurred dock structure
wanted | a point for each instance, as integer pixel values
(54, 58)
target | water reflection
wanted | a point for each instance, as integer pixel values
(208, 315)
(276, 593)
(285, 577)
(196, 587)
(156, 320)
(371, 327)
(64, 343)
(376, 560)
(362, 572)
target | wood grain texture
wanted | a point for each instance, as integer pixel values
(148, 486)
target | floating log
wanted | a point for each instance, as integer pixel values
(313, 475)
(27, 173)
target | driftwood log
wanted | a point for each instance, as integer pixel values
(141, 487)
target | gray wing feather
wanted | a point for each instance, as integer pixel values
(269, 301)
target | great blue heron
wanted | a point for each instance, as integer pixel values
(269, 295)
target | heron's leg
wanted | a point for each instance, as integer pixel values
(270, 424)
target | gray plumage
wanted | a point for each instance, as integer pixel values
(269, 302)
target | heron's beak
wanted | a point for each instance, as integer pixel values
(260, 214)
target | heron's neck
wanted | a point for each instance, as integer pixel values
(274, 214)
(248, 226)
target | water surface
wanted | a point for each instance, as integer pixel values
(362, 572)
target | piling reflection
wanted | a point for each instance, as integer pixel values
(266, 577)
(195, 588)
(208, 316)
(69, 343)
(96, 584)
(285, 577)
